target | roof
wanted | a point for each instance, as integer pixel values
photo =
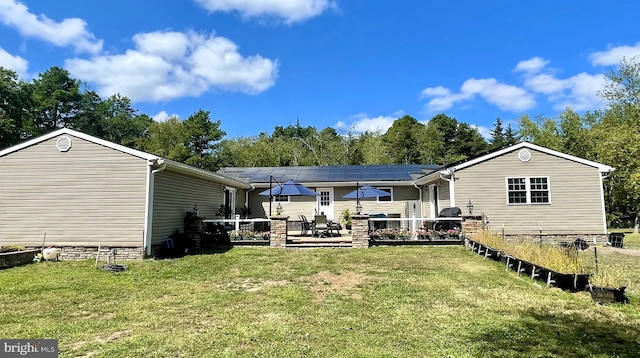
(347, 174)
(150, 158)
(501, 151)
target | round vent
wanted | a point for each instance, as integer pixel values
(524, 155)
(63, 144)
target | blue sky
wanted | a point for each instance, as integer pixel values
(346, 64)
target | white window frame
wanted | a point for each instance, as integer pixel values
(527, 183)
(281, 199)
(385, 188)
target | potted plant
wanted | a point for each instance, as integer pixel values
(346, 219)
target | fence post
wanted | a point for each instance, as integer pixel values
(237, 223)
(414, 231)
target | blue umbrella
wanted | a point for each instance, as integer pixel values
(366, 191)
(291, 187)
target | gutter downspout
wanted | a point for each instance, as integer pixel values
(452, 186)
(246, 195)
(148, 219)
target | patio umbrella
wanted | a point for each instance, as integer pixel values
(290, 188)
(365, 191)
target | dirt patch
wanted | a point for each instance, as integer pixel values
(325, 282)
(112, 337)
(251, 285)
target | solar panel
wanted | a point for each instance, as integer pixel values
(393, 172)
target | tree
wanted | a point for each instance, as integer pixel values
(458, 141)
(403, 140)
(623, 85)
(542, 132)
(56, 98)
(497, 134)
(16, 122)
(373, 149)
(122, 124)
(617, 141)
(91, 115)
(201, 137)
(510, 136)
(166, 139)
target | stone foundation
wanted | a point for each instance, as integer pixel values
(591, 239)
(84, 253)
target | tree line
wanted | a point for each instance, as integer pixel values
(611, 136)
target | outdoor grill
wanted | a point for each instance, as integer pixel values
(453, 212)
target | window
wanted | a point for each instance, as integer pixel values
(528, 190)
(281, 198)
(386, 198)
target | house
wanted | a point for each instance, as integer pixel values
(332, 183)
(80, 192)
(77, 191)
(522, 190)
(526, 190)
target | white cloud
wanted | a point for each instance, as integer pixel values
(169, 65)
(533, 65)
(506, 97)
(69, 32)
(613, 55)
(15, 63)
(579, 92)
(290, 11)
(582, 93)
(484, 131)
(163, 116)
(363, 123)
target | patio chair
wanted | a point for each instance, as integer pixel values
(322, 227)
(305, 225)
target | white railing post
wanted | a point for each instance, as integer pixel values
(414, 230)
(237, 223)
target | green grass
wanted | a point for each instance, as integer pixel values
(261, 302)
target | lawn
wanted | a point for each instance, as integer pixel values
(261, 302)
(631, 240)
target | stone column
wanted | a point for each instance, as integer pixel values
(360, 231)
(472, 224)
(278, 231)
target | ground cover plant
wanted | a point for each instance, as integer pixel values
(551, 256)
(261, 302)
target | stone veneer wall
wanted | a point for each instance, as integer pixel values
(472, 224)
(360, 231)
(84, 252)
(279, 231)
(17, 258)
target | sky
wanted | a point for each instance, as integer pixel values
(353, 65)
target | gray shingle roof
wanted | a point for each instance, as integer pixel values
(343, 173)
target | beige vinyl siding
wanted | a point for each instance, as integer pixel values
(297, 205)
(443, 198)
(88, 195)
(174, 195)
(575, 196)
